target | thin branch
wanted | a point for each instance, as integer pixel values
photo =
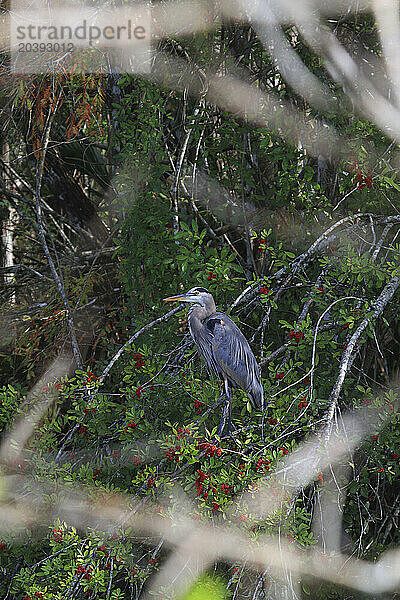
(381, 240)
(42, 236)
(111, 578)
(133, 338)
(383, 299)
(321, 242)
(286, 345)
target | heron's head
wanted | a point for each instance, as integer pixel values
(197, 295)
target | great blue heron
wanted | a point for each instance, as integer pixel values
(224, 348)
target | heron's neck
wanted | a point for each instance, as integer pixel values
(199, 313)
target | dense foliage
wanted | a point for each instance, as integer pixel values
(146, 192)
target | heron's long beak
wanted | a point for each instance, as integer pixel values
(181, 297)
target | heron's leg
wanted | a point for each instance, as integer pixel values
(226, 413)
(228, 405)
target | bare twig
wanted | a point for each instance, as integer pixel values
(133, 338)
(42, 236)
(379, 305)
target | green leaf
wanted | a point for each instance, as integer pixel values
(207, 588)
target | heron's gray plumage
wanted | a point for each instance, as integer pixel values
(222, 345)
(236, 360)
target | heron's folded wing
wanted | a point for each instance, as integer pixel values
(204, 339)
(235, 358)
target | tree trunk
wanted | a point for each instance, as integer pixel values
(7, 236)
